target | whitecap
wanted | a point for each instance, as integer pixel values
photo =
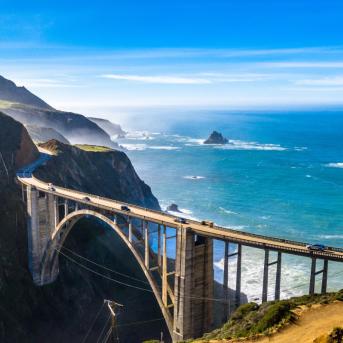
(227, 211)
(194, 177)
(242, 145)
(164, 147)
(137, 147)
(335, 165)
(308, 175)
(331, 236)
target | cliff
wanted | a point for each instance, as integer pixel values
(29, 109)
(65, 310)
(111, 128)
(43, 134)
(10, 92)
(108, 173)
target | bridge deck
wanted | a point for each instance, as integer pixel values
(244, 238)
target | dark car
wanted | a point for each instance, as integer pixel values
(181, 220)
(125, 208)
(86, 199)
(317, 247)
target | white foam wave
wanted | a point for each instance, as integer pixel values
(252, 271)
(227, 211)
(139, 135)
(335, 165)
(242, 145)
(164, 147)
(194, 177)
(138, 147)
(331, 236)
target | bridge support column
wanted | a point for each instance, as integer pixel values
(314, 273)
(130, 230)
(164, 269)
(225, 281)
(146, 244)
(238, 274)
(267, 264)
(33, 233)
(325, 276)
(159, 262)
(66, 207)
(193, 286)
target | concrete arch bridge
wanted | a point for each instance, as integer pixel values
(184, 291)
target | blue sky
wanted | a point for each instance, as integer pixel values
(99, 56)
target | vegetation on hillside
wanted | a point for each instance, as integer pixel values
(93, 148)
(251, 320)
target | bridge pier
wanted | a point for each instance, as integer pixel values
(193, 287)
(267, 264)
(313, 274)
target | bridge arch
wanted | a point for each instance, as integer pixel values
(50, 260)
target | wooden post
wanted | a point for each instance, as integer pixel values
(265, 276)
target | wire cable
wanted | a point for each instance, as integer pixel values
(102, 275)
(103, 267)
(93, 322)
(103, 329)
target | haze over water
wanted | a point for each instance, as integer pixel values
(281, 175)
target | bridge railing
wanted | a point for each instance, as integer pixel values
(224, 229)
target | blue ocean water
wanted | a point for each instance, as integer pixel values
(280, 175)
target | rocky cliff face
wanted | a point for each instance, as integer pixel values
(111, 128)
(64, 311)
(74, 127)
(106, 173)
(29, 109)
(43, 134)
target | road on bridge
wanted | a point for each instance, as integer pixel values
(234, 236)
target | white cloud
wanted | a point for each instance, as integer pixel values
(160, 79)
(304, 64)
(327, 81)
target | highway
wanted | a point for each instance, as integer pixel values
(221, 233)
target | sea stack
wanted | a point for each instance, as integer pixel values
(216, 138)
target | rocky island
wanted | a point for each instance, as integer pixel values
(216, 138)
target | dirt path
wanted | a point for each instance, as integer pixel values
(312, 323)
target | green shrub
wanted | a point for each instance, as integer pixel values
(273, 315)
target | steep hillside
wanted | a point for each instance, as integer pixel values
(111, 128)
(43, 134)
(65, 310)
(74, 127)
(10, 92)
(106, 172)
(29, 109)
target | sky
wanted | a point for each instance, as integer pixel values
(98, 57)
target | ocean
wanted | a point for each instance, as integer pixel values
(280, 175)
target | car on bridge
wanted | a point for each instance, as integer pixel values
(86, 199)
(207, 223)
(125, 208)
(181, 220)
(316, 247)
(51, 187)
